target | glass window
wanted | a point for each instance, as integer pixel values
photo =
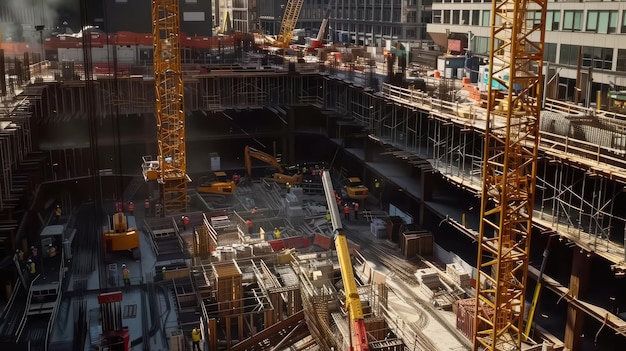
(436, 16)
(455, 17)
(621, 60)
(549, 52)
(553, 20)
(572, 20)
(568, 54)
(486, 20)
(602, 21)
(623, 22)
(476, 18)
(596, 57)
(446, 16)
(465, 17)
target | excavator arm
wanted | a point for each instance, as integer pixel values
(280, 176)
(358, 340)
(262, 156)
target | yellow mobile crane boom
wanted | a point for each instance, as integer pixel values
(170, 169)
(288, 24)
(509, 170)
(358, 337)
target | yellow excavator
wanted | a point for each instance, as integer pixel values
(280, 176)
(216, 183)
(121, 237)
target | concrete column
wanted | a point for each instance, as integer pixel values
(426, 191)
(289, 138)
(579, 280)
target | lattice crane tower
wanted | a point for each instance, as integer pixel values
(170, 111)
(288, 24)
(509, 170)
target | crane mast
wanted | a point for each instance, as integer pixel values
(290, 18)
(509, 170)
(358, 337)
(170, 111)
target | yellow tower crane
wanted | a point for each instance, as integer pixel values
(170, 168)
(509, 170)
(288, 24)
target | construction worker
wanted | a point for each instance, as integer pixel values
(288, 185)
(52, 251)
(125, 275)
(250, 226)
(276, 233)
(20, 255)
(328, 216)
(355, 206)
(57, 214)
(131, 208)
(236, 178)
(146, 205)
(33, 252)
(346, 212)
(185, 221)
(376, 184)
(195, 337)
(32, 268)
(163, 270)
(254, 210)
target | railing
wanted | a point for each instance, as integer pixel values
(55, 310)
(10, 302)
(20, 326)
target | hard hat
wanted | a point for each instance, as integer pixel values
(123, 265)
(50, 245)
(58, 206)
(29, 260)
(17, 250)
(32, 247)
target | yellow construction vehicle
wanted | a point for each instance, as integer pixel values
(280, 176)
(217, 183)
(358, 337)
(355, 189)
(120, 237)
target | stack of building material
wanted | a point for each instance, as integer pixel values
(394, 223)
(293, 209)
(416, 243)
(225, 253)
(464, 311)
(321, 272)
(458, 275)
(229, 291)
(243, 250)
(429, 281)
(261, 248)
(378, 227)
(428, 277)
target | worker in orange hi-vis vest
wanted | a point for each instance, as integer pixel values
(346, 211)
(131, 208)
(355, 206)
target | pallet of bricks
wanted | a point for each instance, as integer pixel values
(419, 242)
(464, 312)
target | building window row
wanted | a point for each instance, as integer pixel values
(596, 21)
(590, 56)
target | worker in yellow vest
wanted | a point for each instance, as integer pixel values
(126, 275)
(276, 233)
(52, 251)
(195, 337)
(30, 265)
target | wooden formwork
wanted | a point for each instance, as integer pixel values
(229, 290)
(417, 243)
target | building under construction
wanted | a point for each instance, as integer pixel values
(160, 232)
